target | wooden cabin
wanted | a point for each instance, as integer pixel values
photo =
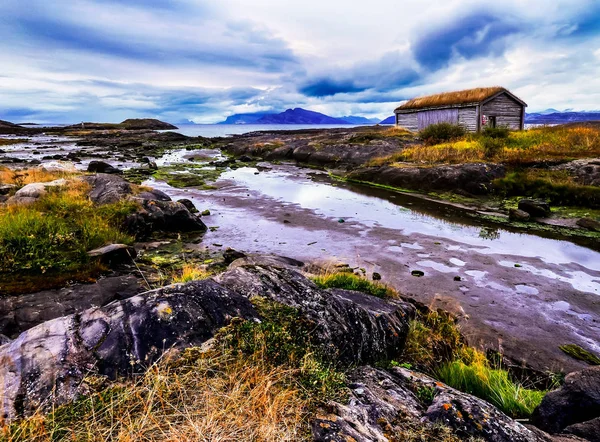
(474, 109)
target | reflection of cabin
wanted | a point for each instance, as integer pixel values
(473, 109)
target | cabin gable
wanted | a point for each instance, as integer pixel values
(503, 111)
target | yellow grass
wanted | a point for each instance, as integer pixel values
(22, 177)
(539, 144)
(190, 272)
(220, 398)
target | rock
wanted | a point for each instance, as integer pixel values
(245, 159)
(230, 255)
(59, 166)
(475, 179)
(166, 216)
(376, 276)
(518, 215)
(46, 365)
(589, 223)
(586, 172)
(205, 213)
(154, 195)
(535, 208)
(20, 313)
(102, 167)
(4, 340)
(589, 430)
(107, 189)
(575, 403)
(114, 254)
(188, 204)
(34, 191)
(384, 402)
(349, 327)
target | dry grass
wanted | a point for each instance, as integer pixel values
(523, 147)
(21, 177)
(448, 98)
(9, 141)
(190, 272)
(199, 398)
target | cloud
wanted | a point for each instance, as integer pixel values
(476, 35)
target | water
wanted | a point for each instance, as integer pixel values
(223, 130)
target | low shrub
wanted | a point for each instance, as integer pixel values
(441, 133)
(496, 132)
(190, 272)
(492, 146)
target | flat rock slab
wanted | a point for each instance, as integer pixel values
(20, 313)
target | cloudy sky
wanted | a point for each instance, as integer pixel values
(107, 60)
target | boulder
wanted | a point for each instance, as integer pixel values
(5, 189)
(589, 223)
(575, 405)
(32, 192)
(107, 189)
(114, 255)
(518, 215)
(535, 208)
(383, 403)
(230, 255)
(102, 167)
(46, 365)
(350, 327)
(166, 216)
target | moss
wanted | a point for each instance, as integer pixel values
(187, 176)
(575, 351)
(557, 187)
(350, 281)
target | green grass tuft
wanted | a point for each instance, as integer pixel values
(492, 385)
(350, 281)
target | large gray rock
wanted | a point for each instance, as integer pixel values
(384, 403)
(107, 189)
(350, 327)
(167, 216)
(585, 171)
(574, 407)
(47, 364)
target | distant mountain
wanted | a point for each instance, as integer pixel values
(389, 120)
(561, 117)
(245, 118)
(354, 119)
(299, 116)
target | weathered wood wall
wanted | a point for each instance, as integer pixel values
(429, 117)
(408, 121)
(467, 117)
(507, 111)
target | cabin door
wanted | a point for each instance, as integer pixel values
(491, 122)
